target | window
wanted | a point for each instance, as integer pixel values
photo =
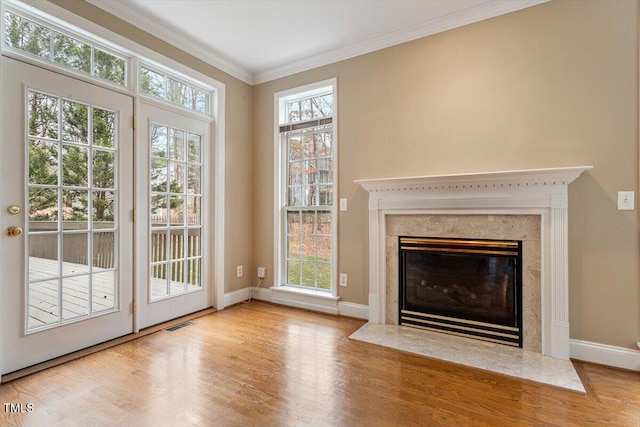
(306, 201)
(41, 41)
(170, 89)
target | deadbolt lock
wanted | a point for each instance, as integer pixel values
(14, 231)
(14, 209)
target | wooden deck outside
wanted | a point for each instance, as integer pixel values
(44, 295)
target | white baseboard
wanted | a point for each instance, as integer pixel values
(235, 297)
(605, 354)
(359, 311)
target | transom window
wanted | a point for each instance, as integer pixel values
(168, 88)
(308, 148)
(46, 43)
(36, 38)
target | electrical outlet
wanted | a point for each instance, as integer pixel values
(262, 272)
(239, 271)
(343, 279)
(625, 200)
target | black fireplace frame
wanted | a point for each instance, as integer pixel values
(511, 334)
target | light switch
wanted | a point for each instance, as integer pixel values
(343, 204)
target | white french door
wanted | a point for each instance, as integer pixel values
(66, 201)
(174, 215)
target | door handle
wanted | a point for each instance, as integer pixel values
(14, 231)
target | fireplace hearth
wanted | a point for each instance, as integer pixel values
(464, 287)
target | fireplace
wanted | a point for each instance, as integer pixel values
(464, 287)
(531, 192)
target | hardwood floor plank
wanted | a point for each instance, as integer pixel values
(268, 365)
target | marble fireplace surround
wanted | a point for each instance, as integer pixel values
(485, 197)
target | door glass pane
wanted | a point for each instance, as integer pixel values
(103, 291)
(43, 304)
(75, 297)
(175, 214)
(76, 254)
(71, 230)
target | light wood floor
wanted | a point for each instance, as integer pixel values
(259, 364)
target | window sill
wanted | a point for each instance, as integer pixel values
(305, 298)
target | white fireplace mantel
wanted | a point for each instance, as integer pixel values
(523, 192)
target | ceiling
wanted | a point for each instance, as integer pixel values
(261, 40)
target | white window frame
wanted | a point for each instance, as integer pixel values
(55, 16)
(319, 300)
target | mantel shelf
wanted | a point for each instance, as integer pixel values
(515, 178)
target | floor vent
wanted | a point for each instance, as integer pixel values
(178, 326)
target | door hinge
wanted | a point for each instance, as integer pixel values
(133, 215)
(133, 122)
(133, 307)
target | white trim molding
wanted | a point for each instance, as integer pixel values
(521, 192)
(603, 354)
(307, 299)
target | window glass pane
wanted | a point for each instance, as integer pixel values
(159, 173)
(176, 177)
(75, 254)
(43, 256)
(103, 128)
(193, 210)
(103, 250)
(159, 141)
(43, 162)
(109, 67)
(194, 148)
(75, 213)
(176, 144)
(193, 243)
(308, 271)
(194, 274)
(43, 205)
(103, 209)
(200, 101)
(71, 52)
(43, 303)
(176, 278)
(43, 115)
(20, 33)
(104, 291)
(324, 276)
(75, 297)
(75, 122)
(152, 83)
(75, 167)
(158, 210)
(179, 93)
(103, 169)
(295, 147)
(293, 272)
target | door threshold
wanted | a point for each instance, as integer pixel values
(102, 346)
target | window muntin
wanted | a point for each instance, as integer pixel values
(308, 202)
(72, 203)
(46, 43)
(170, 89)
(175, 216)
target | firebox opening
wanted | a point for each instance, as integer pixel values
(468, 287)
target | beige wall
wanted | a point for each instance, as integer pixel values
(238, 134)
(553, 85)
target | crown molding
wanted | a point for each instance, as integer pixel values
(177, 39)
(489, 9)
(485, 10)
